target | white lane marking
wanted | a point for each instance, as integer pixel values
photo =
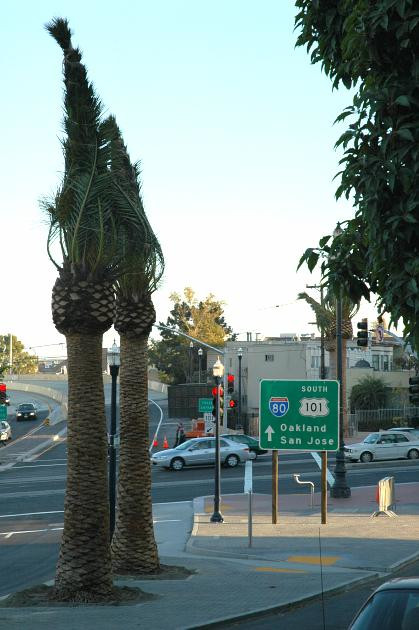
(169, 520)
(317, 459)
(158, 426)
(31, 514)
(30, 531)
(37, 466)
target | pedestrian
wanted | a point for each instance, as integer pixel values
(179, 431)
(182, 436)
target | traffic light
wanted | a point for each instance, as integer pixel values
(362, 336)
(233, 403)
(214, 402)
(230, 383)
(2, 393)
(414, 390)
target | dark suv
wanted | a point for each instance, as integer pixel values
(26, 411)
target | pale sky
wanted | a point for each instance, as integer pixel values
(234, 130)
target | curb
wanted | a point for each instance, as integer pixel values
(259, 612)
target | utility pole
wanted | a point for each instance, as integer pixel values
(10, 353)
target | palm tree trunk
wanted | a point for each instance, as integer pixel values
(134, 549)
(84, 565)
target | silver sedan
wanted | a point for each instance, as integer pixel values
(201, 451)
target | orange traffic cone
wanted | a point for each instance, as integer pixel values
(165, 443)
(155, 442)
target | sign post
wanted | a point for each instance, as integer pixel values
(301, 415)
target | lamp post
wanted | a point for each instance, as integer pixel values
(217, 517)
(114, 363)
(200, 353)
(190, 361)
(340, 489)
(239, 410)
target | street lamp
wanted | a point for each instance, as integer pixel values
(200, 353)
(217, 371)
(340, 488)
(190, 361)
(239, 410)
(114, 361)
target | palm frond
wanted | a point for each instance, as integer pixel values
(81, 213)
(325, 315)
(141, 257)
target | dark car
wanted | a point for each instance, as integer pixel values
(26, 411)
(250, 441)
(393, 606)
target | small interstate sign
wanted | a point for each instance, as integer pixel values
(299, 415)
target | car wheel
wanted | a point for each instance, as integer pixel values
(177, 463)
(232, 461)
(413, 454)
(365, 457)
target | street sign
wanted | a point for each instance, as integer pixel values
(205, 405)
(299, 415)
(3, 412)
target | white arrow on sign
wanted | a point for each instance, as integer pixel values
(269, 431)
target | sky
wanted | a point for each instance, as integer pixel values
(234, 130)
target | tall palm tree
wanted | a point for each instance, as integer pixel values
(325, 314)
(134, 549)
(82, 226)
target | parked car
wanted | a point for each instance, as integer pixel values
(26, 411)
(384, 445)
(201, 451)
(405, 430)
(393, 606)
(251, 442)
(5, 431)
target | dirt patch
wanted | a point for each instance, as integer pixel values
(45, 596)
(165, 572)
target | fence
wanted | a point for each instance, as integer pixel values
(376, 419)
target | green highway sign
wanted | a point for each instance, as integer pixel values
(299, 415)
(204, 405)
(3, 412)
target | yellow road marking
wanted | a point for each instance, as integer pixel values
(326, 560)
(276, 570)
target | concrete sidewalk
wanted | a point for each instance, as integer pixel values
(232, 580)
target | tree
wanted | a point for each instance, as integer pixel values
(201, 319)
(22, 362)
(373, 46)
(134, 549)
(81, 219)
(369, 393)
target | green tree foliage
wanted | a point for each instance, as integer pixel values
(373, 47)
(202, 319)
(369, 393)
(22, 362)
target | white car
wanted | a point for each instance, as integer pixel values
(384, 445)
(5, 431)
(201, 451)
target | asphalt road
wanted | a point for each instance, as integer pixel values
(32, 498)
(22, 427)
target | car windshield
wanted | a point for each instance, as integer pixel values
(3, 425)
(26, 407)
(390, 610)
(371, 438)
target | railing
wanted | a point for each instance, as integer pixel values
(376, 419)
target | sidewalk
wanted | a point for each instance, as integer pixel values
(233, 580)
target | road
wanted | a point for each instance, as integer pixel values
(32, 497)
(22, 427)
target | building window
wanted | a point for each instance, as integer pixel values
(384, 363)
(269, 357)
(376, 362)
(315, 362)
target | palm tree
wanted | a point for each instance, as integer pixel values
(325, 314)
(134, 549)
(82, 224)
(369, 393)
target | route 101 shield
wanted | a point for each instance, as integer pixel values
(278, 406)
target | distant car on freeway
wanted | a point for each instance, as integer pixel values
(384, 445)
(394, 605)
(251, 442)
(201, 451)
(5, 431)
(26, 411)
(7, 400)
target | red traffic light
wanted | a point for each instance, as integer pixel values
(2, 387)
(214, 391)
(230, 378)
(233, 403)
